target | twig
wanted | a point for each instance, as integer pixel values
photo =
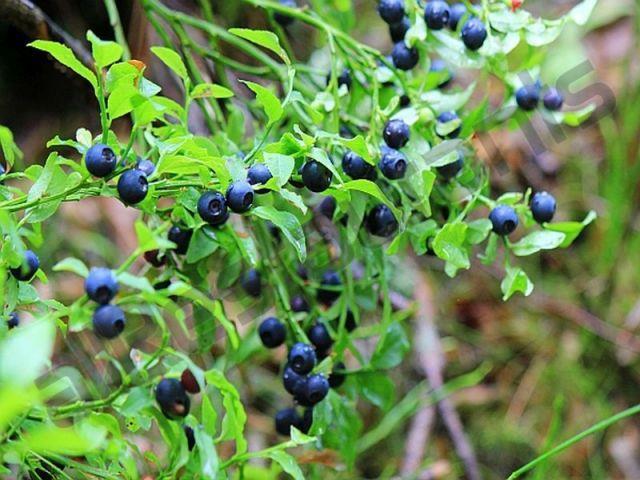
(34, 22)
(431, 359)
(417, 439)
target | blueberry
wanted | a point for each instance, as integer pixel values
(319, 336)
(350, 322)
(456, 12)
(396, 133)
(28, 268)
(397, 31)
(393, 164)
(438, 65)
(327, 207)
(528, 97)
(292, 381)
(450, 170)
(473, 34)
(172, 398)
(133, 186)
(381, 222)
(356, 167)
(302, 272)
(391, 11)
(302, 358)
(146, 166)
(212, 208)
(191, 438)
(337, 376)
(543, 207)
(330, 278)
(13, 321)
(436, 14)
(100, 160)
(343, 79)
(503, 219)
(162, 285)
(316, 177)
(299, 304)
(446, 117)
(404, 58)
(285, 419)
(240, 196)
(108, 321)
(101, 285)
(272, 332)
(259, 174)
(315, 389)
(306, 421)
(284, 19)
(553, 100)
(155, 258)
(189, 382)
(251, 282)
(181, 237)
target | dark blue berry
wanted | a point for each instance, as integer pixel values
(330, 278)
(503, 219)
(108, 321)
(473, 34)
(100, 160)
(172, 398)
(191, 438)
(212, 208)
(146, 166)
(292, 381)
(282, 18)
(553, 100)
(543, 207)
(316, 177)
(315, 389)
(450, 170)
(240, 196)
(181, 237)
(133, 186)
(28, 268)
(337, 376)
(393, 164)
(272, 332)
(397, 31)
(436, 14)
(101, 285)
(285, 419)
(259, 174)
(327, 207)
(446, 117)
(396, 133)
(391, 11)
(404, 58)
(251, 282)
(299, 304)
(319, 336)
(456, 12)
(302, 358)
(13, 321)
(306, 421)
(528, 97)
(343, 79)
(350, 322)
(356, 167)
(381, 222)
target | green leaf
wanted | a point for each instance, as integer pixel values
(269, 102)
(280, 166)
(536, 241)
(104, 52)
(72, 265)
(516, 280)
(581, 12)
(264, 38)
(377, 388)
(203, 244)
(138, 283)
(65, 56)
(209, 460)
(358, 145)
(288, 463)
(207, 90)
(172, 60)
(288, 224)
(372, 189)
(391, 348)
(448, 244)
(72, 441)
(121, 100)
(25, 353)
(235, 418)
(571, 229)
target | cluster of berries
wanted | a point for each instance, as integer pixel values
(23, 273)
(102, 286)
(528, 97)
(173, 399)
(437, 15)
